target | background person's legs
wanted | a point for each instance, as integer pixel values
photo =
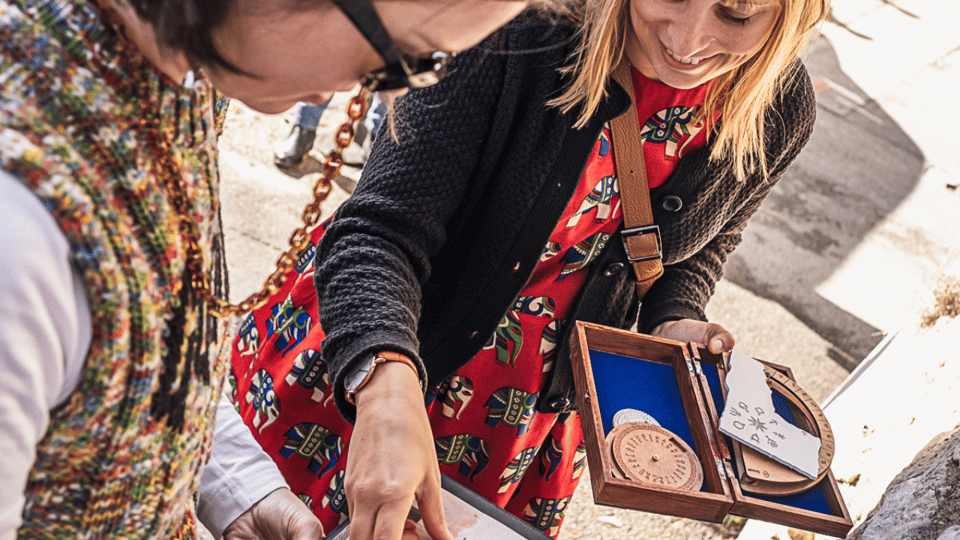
(290, 151)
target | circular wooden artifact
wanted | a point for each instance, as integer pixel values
(615, 469)
(652, 455)
(762, 475)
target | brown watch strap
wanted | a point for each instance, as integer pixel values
(380, 358)
(641, 236)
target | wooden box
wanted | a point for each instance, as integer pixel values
(679, 384)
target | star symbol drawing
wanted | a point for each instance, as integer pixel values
(757, 424)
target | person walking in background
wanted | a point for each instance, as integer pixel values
(111, 356)
(290, 152)
(492, 222)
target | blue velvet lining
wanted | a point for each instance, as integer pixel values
(813, 499)
(624, 382)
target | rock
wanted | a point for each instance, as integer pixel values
(923, 501)
(611, 520)
(953, 533)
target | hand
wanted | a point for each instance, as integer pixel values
(410, 531)
(392, 459)
(280, 515)
(715, 337)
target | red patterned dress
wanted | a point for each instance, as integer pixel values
(487, 432)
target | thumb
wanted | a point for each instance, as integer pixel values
(719, 340)
(307, 530)
(431, 511)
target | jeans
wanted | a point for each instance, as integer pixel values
(375, 114)
(307, 115)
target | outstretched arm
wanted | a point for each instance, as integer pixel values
(393, 460)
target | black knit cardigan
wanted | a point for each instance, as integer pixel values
(449, 220)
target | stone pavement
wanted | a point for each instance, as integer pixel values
(886, 69)
(848, 250)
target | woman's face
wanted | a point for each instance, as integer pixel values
(685, 43)
(306, 55)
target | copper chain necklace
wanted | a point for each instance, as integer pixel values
(356, 109)
(170, 172)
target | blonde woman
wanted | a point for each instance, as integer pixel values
(490, 223)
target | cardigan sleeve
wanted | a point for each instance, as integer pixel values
(375, 255)
(685, 287)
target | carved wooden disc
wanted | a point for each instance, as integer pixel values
(652, 455)
(762, 475)
(615, 470)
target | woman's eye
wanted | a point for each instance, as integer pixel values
(736, 18)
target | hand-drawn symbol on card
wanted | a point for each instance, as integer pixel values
(652, 455)
(756, 424)
(764, 476)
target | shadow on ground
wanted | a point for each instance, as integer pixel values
(857, 168)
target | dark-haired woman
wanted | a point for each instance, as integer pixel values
(110, 357)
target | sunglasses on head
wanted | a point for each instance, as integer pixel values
(401, 71)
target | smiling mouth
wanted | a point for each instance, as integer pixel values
(682, 60)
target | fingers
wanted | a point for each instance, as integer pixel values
(715, 337)
(391, 521)
(410, 531)
(393, 441)
(279, 515)
(384, 523)
(718, 339)
(431, 509)
(361, 523)
(308, 530)
(663, 329)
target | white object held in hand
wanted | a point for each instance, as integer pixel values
(750, 418)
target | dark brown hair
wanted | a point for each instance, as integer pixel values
(187, 25)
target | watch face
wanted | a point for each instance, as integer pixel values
(357, 375)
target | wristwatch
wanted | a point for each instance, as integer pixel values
(360, 375)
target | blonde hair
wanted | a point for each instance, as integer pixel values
(742, 95)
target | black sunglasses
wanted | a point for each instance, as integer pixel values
(401, 71)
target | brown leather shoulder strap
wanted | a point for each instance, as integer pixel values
(641, 236)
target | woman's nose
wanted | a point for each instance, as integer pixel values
(690, 31)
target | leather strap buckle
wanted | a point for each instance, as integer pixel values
(641, 231)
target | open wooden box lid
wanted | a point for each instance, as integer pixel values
(680, 385)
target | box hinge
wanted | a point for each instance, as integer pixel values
(729, 467)
(690, 363)
(720, 469)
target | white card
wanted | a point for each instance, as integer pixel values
(749, 417)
